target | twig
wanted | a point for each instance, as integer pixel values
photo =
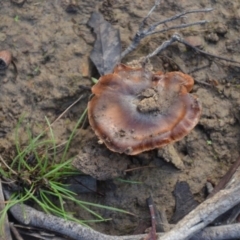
(65, 111)
(181, 40)
(153, 27)
(163, 46)
(152, 233)
(232, 175)
(15, 232)
(224, 181)
(142, 33)
(178, 27)
(157, 2)
(178, 38)
(11, 170)
(204, 214)
(209, 210)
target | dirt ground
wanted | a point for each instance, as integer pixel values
(51, 48)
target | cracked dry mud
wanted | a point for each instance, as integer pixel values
(52, 49)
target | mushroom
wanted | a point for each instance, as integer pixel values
(134, 110)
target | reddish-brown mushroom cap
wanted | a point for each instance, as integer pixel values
(134, 110)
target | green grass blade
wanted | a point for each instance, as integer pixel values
(73, 133)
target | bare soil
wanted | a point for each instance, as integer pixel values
(51, 48)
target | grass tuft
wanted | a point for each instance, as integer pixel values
(39, 174)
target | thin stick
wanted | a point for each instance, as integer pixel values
(157, 2)
(178, 27)
(223, 182)
(11, 170)
(152, 27)
(178, 38)
(153, 218)
(15, 232)
(181, 40)
(65, 111)
(204, 214)
(142, 33)
(163, 46)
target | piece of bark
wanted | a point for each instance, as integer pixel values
(5, 233)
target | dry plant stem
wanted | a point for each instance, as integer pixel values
(235, 180)
(178, 27)
(152, 27)
(163, 46)
(227, 177)
(152, 233)
(6, 165)
(157, 2)
(142, 33)
(178, 38)
(15, 232)
(204, 214)
(181, 40)
(64, 112)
